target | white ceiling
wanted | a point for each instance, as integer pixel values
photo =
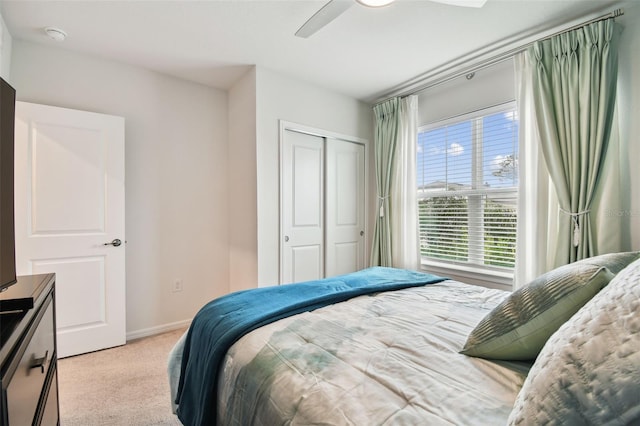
(362, 54)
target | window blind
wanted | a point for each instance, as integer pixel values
(468, 187)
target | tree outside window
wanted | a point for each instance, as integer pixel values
(468, 187)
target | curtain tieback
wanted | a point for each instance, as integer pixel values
(576, 224)
(381, 203)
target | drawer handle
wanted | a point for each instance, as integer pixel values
(40, 362)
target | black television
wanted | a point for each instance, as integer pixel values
(7, 212)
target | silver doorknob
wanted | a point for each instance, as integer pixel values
(286, 238)
(361, 233)
(114, 243)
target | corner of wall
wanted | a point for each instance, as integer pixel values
(6, 45)
(628, 109)
(242, 201)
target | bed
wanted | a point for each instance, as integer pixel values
(388, 357)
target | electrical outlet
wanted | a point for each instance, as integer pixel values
(177, 286)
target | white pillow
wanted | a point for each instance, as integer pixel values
(588, 372)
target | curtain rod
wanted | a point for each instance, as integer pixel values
(431, 79)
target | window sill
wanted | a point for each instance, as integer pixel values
(469, 274)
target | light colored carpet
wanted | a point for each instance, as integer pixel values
(127, 385)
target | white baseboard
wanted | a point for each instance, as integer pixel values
(151, 331)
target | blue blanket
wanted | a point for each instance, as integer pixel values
(221, 322)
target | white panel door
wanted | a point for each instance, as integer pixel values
(70, 203)
(345, 216)
(302, 207)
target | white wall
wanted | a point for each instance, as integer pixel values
(282, 98)
(243, 219)
(489, 86)
(176, 174)
(629, 111)
(6, 43)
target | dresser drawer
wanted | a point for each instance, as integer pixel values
(50, 412)
(26, 385)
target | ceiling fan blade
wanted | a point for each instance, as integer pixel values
(322, 17)
(463, 3)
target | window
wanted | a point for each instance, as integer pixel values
(467, 175)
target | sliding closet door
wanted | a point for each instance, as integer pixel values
(344, 220)
(323, 187)
(302, 206)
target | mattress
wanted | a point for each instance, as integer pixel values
(381, 359)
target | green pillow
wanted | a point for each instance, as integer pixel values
(518, 328)
(615, 262)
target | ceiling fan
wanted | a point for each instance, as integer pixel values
(335, 8)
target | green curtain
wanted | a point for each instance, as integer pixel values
(574, 90)
(385, 140)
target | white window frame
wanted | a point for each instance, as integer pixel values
(473, 271)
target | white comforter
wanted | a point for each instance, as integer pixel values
(389, 358)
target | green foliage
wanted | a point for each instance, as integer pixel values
(444, 230)
(499, 250)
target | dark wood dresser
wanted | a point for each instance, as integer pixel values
(28, 370)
